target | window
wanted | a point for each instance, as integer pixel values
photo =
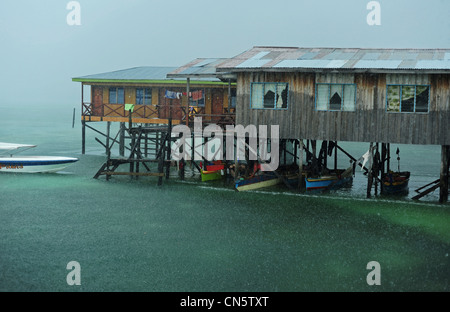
(233, 98)
(271, 95)
(407, 98)
(116, 95)
(144, 96)
(197, 98)
(335, 97)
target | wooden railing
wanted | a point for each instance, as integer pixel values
(152, 111)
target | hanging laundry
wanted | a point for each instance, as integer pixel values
(170, 94)
(197, 95)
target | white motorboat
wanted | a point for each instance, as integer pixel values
(30, 164)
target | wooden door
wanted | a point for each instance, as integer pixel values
(217, 104)
(166, 104)
(97, 101)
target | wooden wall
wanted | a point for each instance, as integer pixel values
(368, 123)
(216, 98)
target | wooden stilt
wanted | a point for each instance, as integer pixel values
(335, 156)
(122, 139)
(388, 157)
(108, 135)
(324, 155)
(444, 176)
(295, 151)
(369, 176)
(169, 147)
(161, 165)
(83, 137)
(301, 181)
(83, 122)
(375, 170)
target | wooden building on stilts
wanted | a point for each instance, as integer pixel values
(147, 105)
(379, 96)
(327, 95)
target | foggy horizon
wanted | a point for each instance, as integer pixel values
(42, 53)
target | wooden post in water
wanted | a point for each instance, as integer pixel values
(182, 162)
(301, 181)
(295, 150)
(376, 165)
(383, 158)
(324, 153)
(382, 164)
(369, 174)
(83, 136)
(335, 156)
(444, 176)
(161, 165)
(122, 139)
(108, 150)
(169, 143)
(388, 157)
(130, 125)
(73, 118)
(236, 162)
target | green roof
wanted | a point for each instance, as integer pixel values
(143, 74)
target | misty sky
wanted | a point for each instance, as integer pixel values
(41, 52)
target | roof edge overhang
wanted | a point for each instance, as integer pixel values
(145, 81)
(225, 76)
(334, 70)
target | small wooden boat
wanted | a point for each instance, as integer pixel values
(333, 180)
(265, 179)
(215, 166)
(212, 170)
(30, 164)
(211, 175)
(395, 182)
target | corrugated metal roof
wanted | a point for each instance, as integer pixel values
(135, 73)
(144, 74)
(282, 59)
(201, 68)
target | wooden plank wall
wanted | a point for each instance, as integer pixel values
(369, 123)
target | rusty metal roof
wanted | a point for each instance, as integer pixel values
(338, 59)
(201, 68)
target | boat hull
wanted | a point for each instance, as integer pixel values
(211, 175)
(323, 183)
(395, 183)
(35, 164)
(257, 182)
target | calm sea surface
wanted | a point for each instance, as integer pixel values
(131, 235)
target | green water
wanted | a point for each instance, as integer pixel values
(131, 235)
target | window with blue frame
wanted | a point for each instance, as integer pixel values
(116, 95)
(143, 96)
(335, 97)
(407, 98)
(270, 95)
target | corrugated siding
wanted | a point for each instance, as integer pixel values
(369, 123)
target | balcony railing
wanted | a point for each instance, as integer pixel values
(155, 111)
